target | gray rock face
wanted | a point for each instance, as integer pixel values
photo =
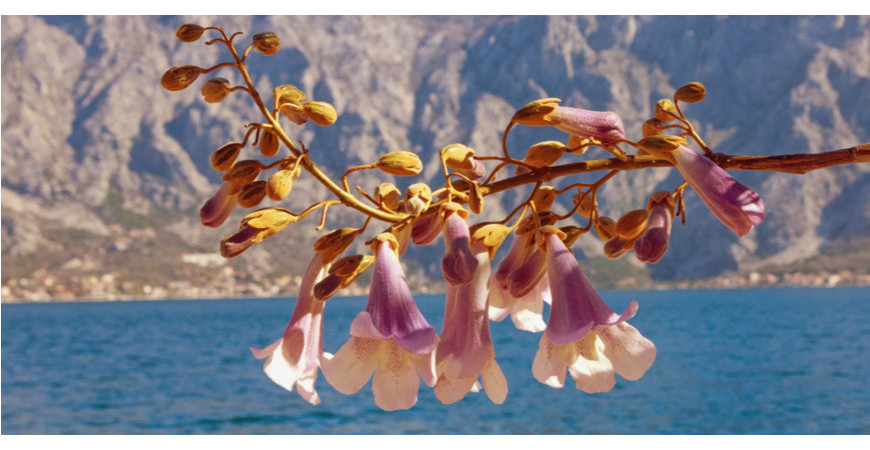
(92, 143)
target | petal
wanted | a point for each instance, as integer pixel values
(630, 353)
(494, 382)
(352, 366)
(425, 365)
(451, 391)
(550, 362)
(395, 383)
(592, 370)
(305, 387)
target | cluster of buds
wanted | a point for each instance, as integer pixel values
(391, 342)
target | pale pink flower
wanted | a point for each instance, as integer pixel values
(734, 204)
(465, 350)
(526, 309)
(295, 358)
(584, 336)
(390, 338)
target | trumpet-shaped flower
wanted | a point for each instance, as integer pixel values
(583, 334)
(525, 309)
(734, 204)
(465, 350)
(459, 264)
(605, 126)
(390, 338)
(216, 209)
(653, 242)
(295, 357)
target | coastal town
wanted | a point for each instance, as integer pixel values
(224, 281)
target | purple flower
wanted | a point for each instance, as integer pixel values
(526, 309)
(465, 350)
(216, 209)
(390, 338)
(583, 334)
(459, 264)
(294, 358)
(652, 244)
(735, 205)
(605, 126)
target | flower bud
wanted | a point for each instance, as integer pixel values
(288, 99)
(267, 43)
(388, 195)
(587, 204)
(223, 158)
(534, 114)
(665, 110)
(252, 194)
(545, 154)
(572, 232)
(400, 163)
(652, 127)
(605, 227)
(274, 219)
(179, 77)
(280, 183)
(691, 93)
(269, 143)
(242, 173)
(529, 224)
(544, 198)
(615, 247)
(321, 113)
(335, 242)
(492, 235)
(632, 224)
(189, 32)
(215, 90)
(661, 143)
(418, 196)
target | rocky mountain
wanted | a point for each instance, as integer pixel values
(103, 171)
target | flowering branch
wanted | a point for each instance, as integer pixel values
(391, 342)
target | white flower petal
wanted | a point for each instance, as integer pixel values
(352, 366)
(592, 370)
(395, 383)
(494, 382)
(550, 363)
(630, 353)
(451, 391)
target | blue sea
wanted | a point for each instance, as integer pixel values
(773, 361)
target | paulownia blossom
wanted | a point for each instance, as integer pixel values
(465, 351)
(653, 242)
(525, 310)
(295, 358)
(583, 334)
(390, 338)
(459, 264)
(216, 210)
(734, 204)
(605, 126)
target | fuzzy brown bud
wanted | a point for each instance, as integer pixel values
(280, 183)
(545, 154)
(388, 195)
(189, 32)
(242, 173)
(252, 194)
(269, 143)
(215, 90)
(400, 163)
(321, 113)
(665, 110)
(418, 196)
(267, 43)
(179, 77)
(691, 93)
(335, 242)
(632, 224)
(605, 227)
(223, 158)
(661, 143)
